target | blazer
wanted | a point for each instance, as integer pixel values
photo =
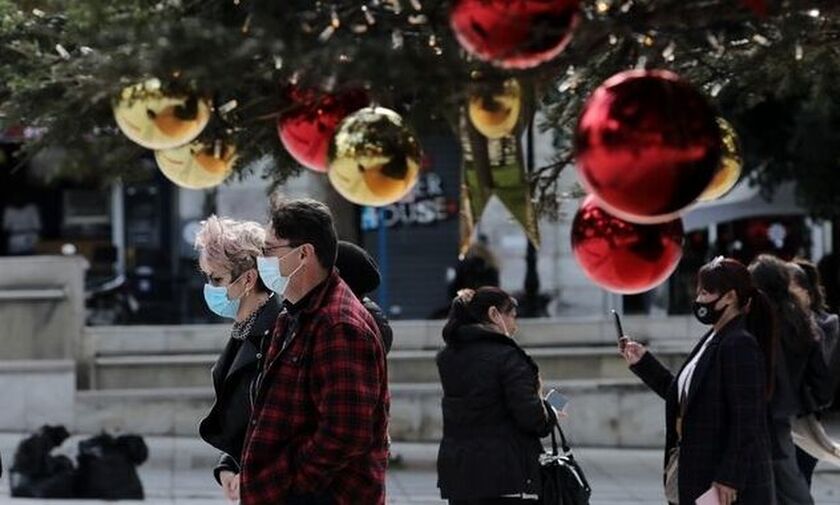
(225, 425)
(725, 437)
(493, 417)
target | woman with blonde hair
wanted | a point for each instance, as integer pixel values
(228, 251)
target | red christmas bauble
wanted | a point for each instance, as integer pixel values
(759, 7)
(621, 256)
(647, 144)
(306, 129)
(514, 34)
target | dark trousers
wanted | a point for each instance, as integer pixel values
(494, 501)
(791, 487)
(807, 463)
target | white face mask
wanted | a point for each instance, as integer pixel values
(269, 269)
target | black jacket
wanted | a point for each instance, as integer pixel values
(493, 417)
(803, 382)
(725, 433)
(225, 425)
(829, 325)
(381, 321)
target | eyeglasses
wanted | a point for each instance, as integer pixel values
(268, 250)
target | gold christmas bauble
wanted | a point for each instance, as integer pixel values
(374, 159)
(158, 120)
(494, 112)
(197, 165)
(731, 163)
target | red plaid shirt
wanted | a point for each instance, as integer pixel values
(320, 418)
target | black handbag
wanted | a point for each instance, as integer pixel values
(563, 481)
(108, 467)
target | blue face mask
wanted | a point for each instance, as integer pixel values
(269, 269)
(218, 302)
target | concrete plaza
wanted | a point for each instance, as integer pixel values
(179, 475)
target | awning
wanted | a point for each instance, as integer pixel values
(744, 201)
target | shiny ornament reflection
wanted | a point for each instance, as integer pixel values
(158, 120)
(306, 130)
(197, 165)
(514, 35)
(731, 163)
(647, 144)
(621, 256)
(374, 158)
(495, 112)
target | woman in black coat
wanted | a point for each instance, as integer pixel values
(493, 414)
(806, 287)
(717, 434)
(801, 376)
(227, 256)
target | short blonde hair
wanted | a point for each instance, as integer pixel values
(230, 243)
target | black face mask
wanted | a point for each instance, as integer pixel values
(706, 312)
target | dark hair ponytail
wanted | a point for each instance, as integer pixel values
(761, 323)
(471, 307)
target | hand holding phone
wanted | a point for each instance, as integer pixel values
(558, 401)
(630, 350)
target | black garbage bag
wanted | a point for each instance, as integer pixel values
(108, 467)
(35, 473)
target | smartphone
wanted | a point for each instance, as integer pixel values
(557, 400)
(619, 331)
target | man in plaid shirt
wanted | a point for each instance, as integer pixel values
(318, 433)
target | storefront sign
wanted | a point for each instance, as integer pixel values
(426, 205)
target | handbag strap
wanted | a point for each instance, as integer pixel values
(555, 426)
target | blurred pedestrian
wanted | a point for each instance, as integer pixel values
(806, 287)
(361, 273)
(800, 374)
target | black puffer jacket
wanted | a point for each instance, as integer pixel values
(493, 417)
(225, 425)
(381, 321)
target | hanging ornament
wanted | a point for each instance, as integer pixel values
(514, 35)
(197, 165)
(496, 167)
(731, 162)
(158, 120)
(374, 159)
(494, 111)
(306, 130)
(647, 145)
(621, 256)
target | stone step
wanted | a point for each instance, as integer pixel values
(408, 335)
(602, 413)
(405, 366)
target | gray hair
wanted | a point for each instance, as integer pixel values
(231, 243)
